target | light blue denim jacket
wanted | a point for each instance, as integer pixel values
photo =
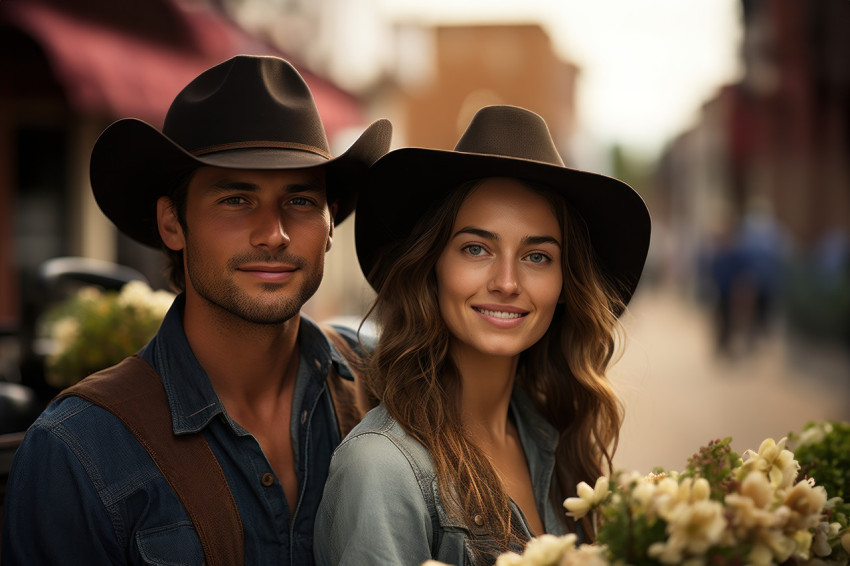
(381, 504)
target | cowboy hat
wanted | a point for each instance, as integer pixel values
(249, 112)
(501, 141)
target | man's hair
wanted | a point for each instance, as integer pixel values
(564, 373)
(174, 270)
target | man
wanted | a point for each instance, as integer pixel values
(241, 190)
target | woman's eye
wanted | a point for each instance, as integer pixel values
(538, 257)
(474, 249)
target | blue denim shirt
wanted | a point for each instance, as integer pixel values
(381, 504)
(83, 491)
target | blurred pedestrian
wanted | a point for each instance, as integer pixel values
(763, 247)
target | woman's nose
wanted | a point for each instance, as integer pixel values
(505, 278)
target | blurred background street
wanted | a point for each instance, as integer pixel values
(731, 118)
(679, 394)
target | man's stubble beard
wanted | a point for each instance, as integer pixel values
(278, 304)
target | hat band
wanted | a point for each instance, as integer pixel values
(260, 145)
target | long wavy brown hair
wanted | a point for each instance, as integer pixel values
(564, 373)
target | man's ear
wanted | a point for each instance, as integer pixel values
(333, 208)
(168, 224)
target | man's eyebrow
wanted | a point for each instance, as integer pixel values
(487, 235)
(244, 186)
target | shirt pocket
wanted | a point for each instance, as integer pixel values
(457, 541)
(172, 545)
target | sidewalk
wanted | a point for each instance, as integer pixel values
(678, 395)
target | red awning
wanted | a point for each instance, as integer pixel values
(108, 72)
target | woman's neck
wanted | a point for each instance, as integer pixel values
(487, 383)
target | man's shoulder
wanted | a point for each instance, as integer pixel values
(73, 417)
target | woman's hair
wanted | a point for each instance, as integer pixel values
(411, 370)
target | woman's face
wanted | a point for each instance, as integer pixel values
(499, 277)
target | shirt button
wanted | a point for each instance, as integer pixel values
(303, 417)
(268, 479)
(479, 520)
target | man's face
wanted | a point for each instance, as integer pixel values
(256, 240)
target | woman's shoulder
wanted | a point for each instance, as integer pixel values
(380, 442)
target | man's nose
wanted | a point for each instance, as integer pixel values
(270, 230)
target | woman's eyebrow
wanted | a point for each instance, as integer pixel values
(537, 240)
(481, 233)
(487, 235)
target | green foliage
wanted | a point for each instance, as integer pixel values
(714, 462)
(94, 330)
(823, 451)
(625, 530)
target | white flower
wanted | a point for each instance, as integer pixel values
(546, 549)
(65, 331)
(585, 555)
(814, 434)
(692, 529)
(89, 294)
(160, 302)
(504, 559)
(751, 505)
(138, 295)
(135, 294)
(805, 503)
(773, 461)
(588, 498)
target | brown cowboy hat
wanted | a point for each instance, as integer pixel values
(501, 141)
(249, 112)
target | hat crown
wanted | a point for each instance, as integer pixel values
(246, 100)
(510, 131)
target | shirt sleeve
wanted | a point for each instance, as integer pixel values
(372, 509)
(52, 512)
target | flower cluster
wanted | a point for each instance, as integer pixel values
(761, 508)
(95, 329)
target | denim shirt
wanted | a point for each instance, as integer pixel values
(381, 504)
(83, 491)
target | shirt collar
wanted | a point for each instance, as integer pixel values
(531, 426)
(191, 396)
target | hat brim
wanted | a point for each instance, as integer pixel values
(406, 182)
(133, 164)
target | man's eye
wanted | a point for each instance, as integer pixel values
(300, 201)
(233, 201)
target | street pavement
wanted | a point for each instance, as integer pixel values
(679, 395)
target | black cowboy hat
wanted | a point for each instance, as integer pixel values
(249, 112)
(501, 141)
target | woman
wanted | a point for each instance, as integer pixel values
(500, 276)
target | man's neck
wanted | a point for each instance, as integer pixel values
(244, 361)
